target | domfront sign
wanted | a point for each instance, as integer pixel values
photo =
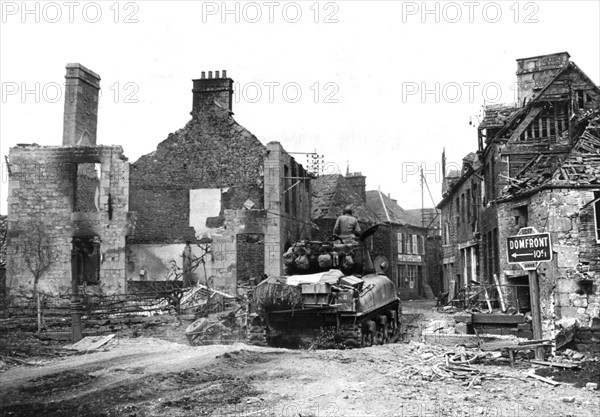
(528, 248)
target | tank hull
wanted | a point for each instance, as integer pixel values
(372, 316)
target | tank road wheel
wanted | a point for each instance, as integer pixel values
(257, 332)
(382, 330)
(393, 324)
(351, 335)
(369, 333)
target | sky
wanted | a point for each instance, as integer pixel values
(381, 87)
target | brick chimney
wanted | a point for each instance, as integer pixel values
(535, 72)
(80, 117)
(358, 182)
(208, 90)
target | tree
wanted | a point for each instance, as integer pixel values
(38, 255)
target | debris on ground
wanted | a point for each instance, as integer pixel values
(91, 343)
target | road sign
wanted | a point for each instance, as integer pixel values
(528, 248)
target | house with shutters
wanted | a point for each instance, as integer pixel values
(407, 245)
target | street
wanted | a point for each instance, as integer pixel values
(153, 377)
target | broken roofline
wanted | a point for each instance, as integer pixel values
(532, 102)
(574, 149)
(543, 187)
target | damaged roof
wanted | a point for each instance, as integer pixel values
(579, 167)
(331, 193)
(509, 120)
(496, 115)
(389, 211)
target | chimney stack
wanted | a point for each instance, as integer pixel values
(80, 117)
(535, 72)
(208, 90)
(359, 183)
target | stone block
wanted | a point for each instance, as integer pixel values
(525, 334)
(463, 318)
(461, 328)
(582, 347)
(563, 299)
(583, 335)
(566, 285)
(566, 312)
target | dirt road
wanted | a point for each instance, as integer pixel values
(152, 377)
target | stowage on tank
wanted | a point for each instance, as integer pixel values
(327, 285)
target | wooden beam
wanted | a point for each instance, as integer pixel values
(525, 124)
(536, 314)
(556, 365)
(531, 374)
(483, 318)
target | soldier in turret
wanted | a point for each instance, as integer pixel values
(346, 226)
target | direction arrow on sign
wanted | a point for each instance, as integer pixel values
(529, 247)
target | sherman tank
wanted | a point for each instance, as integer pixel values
(333, 285)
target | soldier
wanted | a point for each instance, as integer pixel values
(346, 226)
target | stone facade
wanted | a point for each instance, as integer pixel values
(538, 165)
(68, 206)
(569, 284)
(43, 187)
(215, 179)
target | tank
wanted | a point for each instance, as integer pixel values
(327, 285)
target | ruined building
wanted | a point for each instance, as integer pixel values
(214, 205)
(213, 190)
(538, 165)
(68, 205)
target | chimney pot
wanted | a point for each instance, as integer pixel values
(224, 74)
(203, 75)
(209, 74)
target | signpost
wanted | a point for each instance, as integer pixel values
(528, 248)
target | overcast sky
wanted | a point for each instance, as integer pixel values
(381, 85)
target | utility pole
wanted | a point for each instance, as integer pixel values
(422, 199)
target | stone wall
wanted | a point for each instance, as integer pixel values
(287, 204)
(42, 189)
(214, 179)
(570, 283)
(211, 152)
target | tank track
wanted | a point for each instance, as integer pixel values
(376, 329)
(379, 329)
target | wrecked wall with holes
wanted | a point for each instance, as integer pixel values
(68, 204)
(570, 283)
(215, 185)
